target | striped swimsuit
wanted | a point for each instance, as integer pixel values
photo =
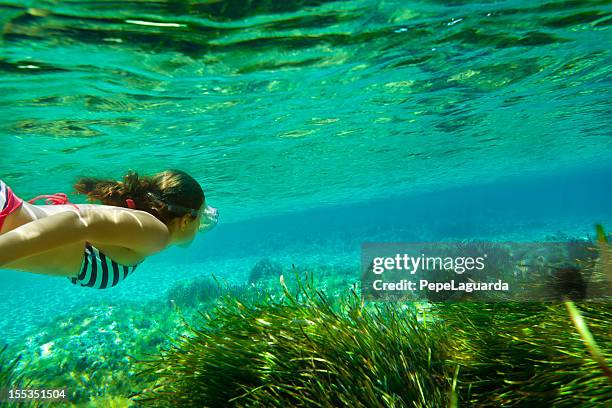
(99, 271)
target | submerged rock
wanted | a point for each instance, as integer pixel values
(265, 269)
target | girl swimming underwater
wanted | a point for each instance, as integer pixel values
(99, 245)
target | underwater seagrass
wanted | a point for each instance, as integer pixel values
(11, 377)
(537, 354)
(303, 350)
(7, 368)
(527, 354)
(309, 350)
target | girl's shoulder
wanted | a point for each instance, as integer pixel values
(135, 229)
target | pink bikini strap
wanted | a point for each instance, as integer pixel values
(54, 199)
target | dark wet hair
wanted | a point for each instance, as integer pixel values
(166, 195)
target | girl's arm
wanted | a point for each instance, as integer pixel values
(136, 230)
(40, 235)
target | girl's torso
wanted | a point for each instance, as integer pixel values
(64, 260)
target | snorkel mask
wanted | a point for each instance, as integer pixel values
(208, 219)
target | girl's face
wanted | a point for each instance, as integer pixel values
(205, 221)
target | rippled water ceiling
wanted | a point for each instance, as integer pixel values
(277, 106)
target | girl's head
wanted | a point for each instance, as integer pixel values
(173, 196)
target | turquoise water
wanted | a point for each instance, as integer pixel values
(314, 126)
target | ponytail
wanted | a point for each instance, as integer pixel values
(166, 195)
